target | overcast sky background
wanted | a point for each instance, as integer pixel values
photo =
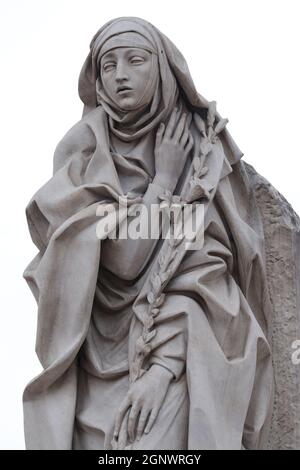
(244, 55)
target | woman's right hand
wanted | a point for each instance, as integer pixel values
(172, 146)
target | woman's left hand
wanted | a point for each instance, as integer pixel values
(141, 405)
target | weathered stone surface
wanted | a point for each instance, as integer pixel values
(282, 236)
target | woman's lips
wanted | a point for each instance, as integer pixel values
(125, 90)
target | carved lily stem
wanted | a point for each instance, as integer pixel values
(169, 260)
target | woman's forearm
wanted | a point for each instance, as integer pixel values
(127, 257)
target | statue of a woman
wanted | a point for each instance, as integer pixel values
(144, 343)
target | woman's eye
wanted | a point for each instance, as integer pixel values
(137, 60)
(109, 66)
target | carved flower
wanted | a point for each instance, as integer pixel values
(198, 189)
(205, 146)
(169, 199)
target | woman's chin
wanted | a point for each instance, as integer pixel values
(126, 103)
(130, 104)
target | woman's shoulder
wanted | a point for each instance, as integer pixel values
(81, 137)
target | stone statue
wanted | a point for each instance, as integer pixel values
(145, 343)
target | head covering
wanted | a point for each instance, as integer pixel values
(126, 39)
(161, 86)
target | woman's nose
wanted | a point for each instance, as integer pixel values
(121, 72)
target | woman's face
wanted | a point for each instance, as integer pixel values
(125, 72)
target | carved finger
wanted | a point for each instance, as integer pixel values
(122, 439)
(142, 423)
(180, 127)
(185, 135)
(132, 420)
(120, 415)
(189, 144)
(171, 124)
(189, 119)
(159, 134)
(152, 419)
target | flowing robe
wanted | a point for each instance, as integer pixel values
(211, 331)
